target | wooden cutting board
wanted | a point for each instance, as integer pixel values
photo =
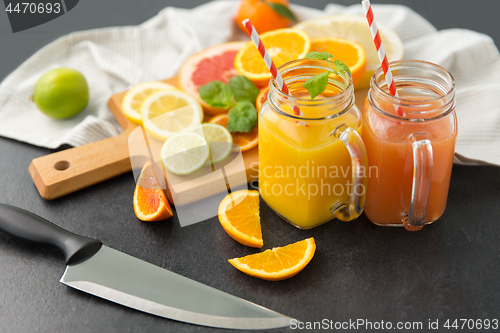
(70, 170)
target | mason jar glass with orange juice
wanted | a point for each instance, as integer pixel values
(410, 141)
(312, 164)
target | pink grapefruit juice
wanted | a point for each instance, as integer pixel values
(389, 149)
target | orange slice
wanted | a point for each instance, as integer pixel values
(239, 216)
(352, 54)
(245, 141)
(150, 202)
(354, 27)
(279, 263)
(261, 98)
(283, 45)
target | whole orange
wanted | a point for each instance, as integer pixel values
(262, 16)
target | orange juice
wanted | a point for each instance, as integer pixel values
(388, 129)
(305, 172)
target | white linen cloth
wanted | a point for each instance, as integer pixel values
(115, 59)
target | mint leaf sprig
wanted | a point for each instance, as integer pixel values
(239, 95)
(242, 117)
(220, 95)
(317, 84)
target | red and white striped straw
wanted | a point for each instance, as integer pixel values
(269, 62)
(380, 48)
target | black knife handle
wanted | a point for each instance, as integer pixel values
(23, 224)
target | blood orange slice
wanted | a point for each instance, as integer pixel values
(150, 202)
(215, 63)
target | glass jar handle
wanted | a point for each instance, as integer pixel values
(359, 158)
(422, 179)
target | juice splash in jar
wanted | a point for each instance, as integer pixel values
(411, 143)
(305, 168)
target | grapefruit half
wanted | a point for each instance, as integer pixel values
(215, 63)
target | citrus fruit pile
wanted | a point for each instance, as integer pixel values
(285, 45)
(355, 29)
(239, 216)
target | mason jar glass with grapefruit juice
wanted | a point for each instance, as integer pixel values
(410, 141)
(311, 165)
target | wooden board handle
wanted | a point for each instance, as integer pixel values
(73, 169)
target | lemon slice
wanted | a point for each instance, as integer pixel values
(131, 104)
(184, 153)
(356, 28)
(218, 138)
(168, 112)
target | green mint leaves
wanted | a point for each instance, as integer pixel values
(281, 10)
(239, 95)
(242, 117)
(217, 94)
(318, 83)
(243, 89)
(220, 95)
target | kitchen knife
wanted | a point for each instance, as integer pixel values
(118, 277)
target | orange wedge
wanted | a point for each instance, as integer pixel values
(283, 45)
(245, 141)
(150, 202)
(239, 216)
(279, 263)
(352, 54)
(261, 98)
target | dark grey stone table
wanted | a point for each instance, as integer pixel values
(449, 270)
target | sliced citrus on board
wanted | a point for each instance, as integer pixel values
(279, 263)
(283, 45)
(215, 63)
(131, 104)
(245, 141)
(352, 54)
(150, 202)
(168, 112)
(261, 98)
(184, 153)
(239, 216)
(355, 28)
(219, 139)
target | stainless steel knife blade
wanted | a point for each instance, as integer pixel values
(126, 280)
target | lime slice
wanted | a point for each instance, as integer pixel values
(184, 153)
(131, 104)
(168, 112)
(218, 138)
